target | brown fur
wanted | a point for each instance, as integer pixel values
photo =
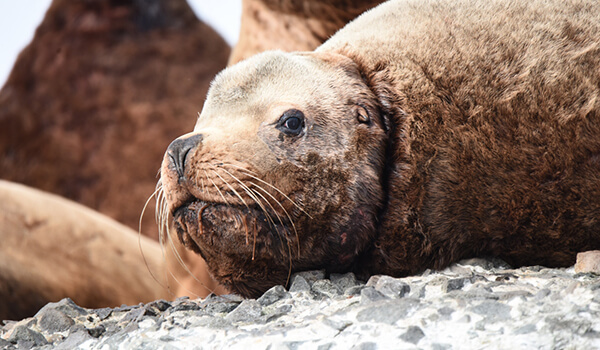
(482, 137)
(98, 94)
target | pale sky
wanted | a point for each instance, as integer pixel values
(20, 18)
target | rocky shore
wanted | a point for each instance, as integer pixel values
(474, 304)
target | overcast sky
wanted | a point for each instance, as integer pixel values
(20, 18)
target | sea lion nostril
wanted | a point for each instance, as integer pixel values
(178, 151)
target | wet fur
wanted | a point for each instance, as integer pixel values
(483, 140)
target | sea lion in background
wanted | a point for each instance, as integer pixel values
(87, 256)
(101, 90)
(292, 25)
(422, 133)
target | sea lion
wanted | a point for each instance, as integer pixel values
(53, 248)
(292, 25)
(421, 133)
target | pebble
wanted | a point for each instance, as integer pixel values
(588, 262)
(472, 304)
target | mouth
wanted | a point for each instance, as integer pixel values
(222, 227)
(247, 249)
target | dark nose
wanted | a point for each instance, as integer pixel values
(178, 151)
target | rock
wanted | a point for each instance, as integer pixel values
(344, 281)
(53, 320)
(247, 311)
(6, 345)
(74, 340)
(299, 284)
(493, 311)
(370, 294)
(65, 306)
(103, 313)
(365, 346)
(391, 287)
(413, 335)
(22, 334)
(310, 276)
(325, 288)
(388, 311)
(96, 331)
(454, 284)
(272, 295)
(588, 262)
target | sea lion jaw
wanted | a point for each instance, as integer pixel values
(262, 197)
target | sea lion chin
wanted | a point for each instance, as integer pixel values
(404, 142)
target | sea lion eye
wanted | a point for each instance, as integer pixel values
(291, 122)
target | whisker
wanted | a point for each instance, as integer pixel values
(253, 196)
(217, 188)
(280, 192)
(231, 188)
(287, 239)
(285, 211)
(241, 168)
(182, 263)
(153, 195)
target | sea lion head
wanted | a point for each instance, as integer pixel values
(282, 172)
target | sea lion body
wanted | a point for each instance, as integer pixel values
(421, 133)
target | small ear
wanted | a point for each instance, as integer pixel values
(362, 115)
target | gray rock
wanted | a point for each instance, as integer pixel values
(103, 313)
(352, 291)
(276, 313)
(156, 307)
(343, 281)
(493, 311)
(370, 295)
(365, 346)
(22, 334)
(73, 340)
(294, 345)
(388, 311)
(299, 284)
(392, 287)
(325, 288)
(445, 311)
(247, 311)
(213, 322)
(134, 315)
(413, 335)
(213, 304)
(52, 320)
(310, 276)
(488, 263)
(337, 325)
(454, 284)
(96, 331)
(66, 306)
(529, 328)
(272, 295)
(6, 345)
